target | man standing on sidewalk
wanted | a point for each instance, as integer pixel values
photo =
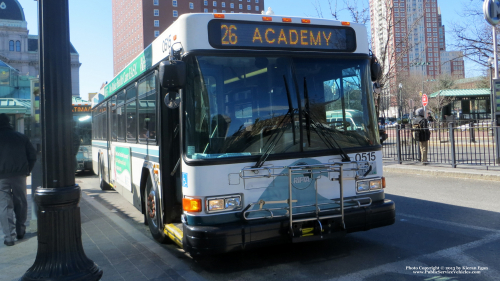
(421, 133)
(17, 158)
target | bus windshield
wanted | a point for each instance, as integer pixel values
(236, 105)
(83, 128)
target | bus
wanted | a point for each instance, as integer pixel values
(220, 132)
(82, 120)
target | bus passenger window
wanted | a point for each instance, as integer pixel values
(114, 119)
(120, 112)
(147, 118)
(131, 122)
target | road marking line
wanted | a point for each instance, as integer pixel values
(394, 267)
(466, 260)
(400, 266)
(449, 223)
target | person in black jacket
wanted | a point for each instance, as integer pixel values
(421, 133)
(17, 158)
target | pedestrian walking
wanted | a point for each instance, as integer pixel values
(421, 133)
(17, 158)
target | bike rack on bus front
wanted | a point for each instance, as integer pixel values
(316, 169)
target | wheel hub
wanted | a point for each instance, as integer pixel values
(151, 205)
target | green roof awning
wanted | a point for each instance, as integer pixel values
(15, 106)
(461, 93)
(79, 101)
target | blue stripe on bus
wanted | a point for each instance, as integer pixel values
(96, 143)
(145, 151)
(142, 156)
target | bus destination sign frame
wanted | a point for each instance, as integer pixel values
(231, 34)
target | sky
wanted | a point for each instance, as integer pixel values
(91, 32)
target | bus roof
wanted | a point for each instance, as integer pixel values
(192, 32)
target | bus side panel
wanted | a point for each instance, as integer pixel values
(131, 192)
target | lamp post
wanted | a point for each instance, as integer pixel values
(60, 255)
(491, 61)
(400, 101)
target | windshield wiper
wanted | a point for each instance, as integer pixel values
(320, 129)
(308, 118)
(274, 138)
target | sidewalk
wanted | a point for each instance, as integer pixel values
(109, 238)
(441, 170)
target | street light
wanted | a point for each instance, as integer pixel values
(400, 101)
(491, 61)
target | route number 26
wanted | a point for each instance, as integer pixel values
(229, 37)
(365, 156)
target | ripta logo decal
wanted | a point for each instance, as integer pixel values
(302, 180)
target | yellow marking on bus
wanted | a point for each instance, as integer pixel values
(174, 233)
(308, 231)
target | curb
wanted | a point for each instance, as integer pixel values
(445, 172)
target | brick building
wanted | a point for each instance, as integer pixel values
(136, 23)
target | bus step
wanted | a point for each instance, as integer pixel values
(323, 236)
(316, 230)
(174, 232)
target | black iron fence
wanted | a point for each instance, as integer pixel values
(461, 143)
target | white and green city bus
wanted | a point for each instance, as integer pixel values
(221, 133)
(82, 120)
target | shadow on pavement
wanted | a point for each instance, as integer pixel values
(409, 238)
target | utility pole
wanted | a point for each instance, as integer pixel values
(60, 254)
(491, 10)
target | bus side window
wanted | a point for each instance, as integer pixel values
(121, 118)
(114, 119)
(147, 113)
(104, 121)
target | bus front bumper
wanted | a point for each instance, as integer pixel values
(203, 240)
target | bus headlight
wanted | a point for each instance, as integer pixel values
(216, 205)
(224, 203)
(364, 186)
(376, 184)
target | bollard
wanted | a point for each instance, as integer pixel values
(452, 144)
(472, 136)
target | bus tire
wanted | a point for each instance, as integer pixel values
(153, 217)
(103, 184)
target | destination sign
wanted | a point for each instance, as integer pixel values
(237, 34)
(81, 108)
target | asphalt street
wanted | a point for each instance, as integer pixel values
(447, 226)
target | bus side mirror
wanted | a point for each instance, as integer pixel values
(375, 69)
(172, 100)
(172, 75)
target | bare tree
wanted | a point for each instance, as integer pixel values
(473, 35)
(358, 11)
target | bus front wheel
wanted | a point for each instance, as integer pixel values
(153, 213)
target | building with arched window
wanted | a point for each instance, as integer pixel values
(19, 50)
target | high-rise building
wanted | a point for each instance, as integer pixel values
(408, 35)
(413, 33)
(136, 23)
